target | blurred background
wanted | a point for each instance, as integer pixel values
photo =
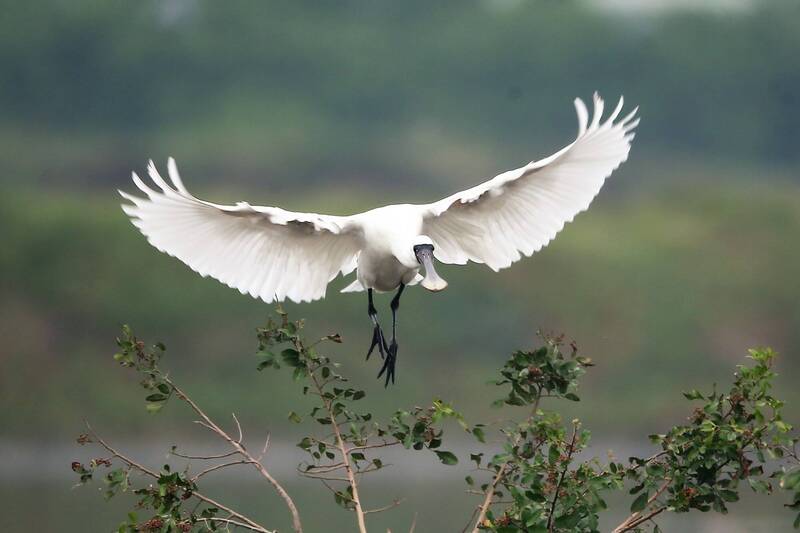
(687, 257)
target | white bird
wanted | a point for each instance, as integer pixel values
(274, 254)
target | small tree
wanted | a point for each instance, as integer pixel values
(732, 439)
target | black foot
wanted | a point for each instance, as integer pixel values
(389, 363)
(379, 341)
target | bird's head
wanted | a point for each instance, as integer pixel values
(423, 252)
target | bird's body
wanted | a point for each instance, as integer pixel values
(386, 259)
(274, 254)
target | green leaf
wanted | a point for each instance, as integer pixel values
(154, 407)
(568, 521)
(294, 417)
(291, 357)
(553, 454)
(791, 480)
(479, 434)
(693, 394)
(358, 456)
(447, 458)
(640, 502)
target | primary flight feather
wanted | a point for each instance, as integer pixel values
(274, 254)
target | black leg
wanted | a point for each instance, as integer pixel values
(391, 352)
(377, 333)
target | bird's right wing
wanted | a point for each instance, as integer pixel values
(267, 252)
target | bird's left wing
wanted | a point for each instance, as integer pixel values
(520, 211)
(267, 252)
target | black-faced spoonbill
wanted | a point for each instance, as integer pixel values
(273, 254)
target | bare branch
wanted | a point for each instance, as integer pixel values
(322, 469)
(219, 467)
(570, 451)
(345, 453)
(254, 526)
(239, 427)
(383, 444)
(207, 422)
(392, 505)
(637, 518)
(413, 524)
(327, 478)
(210, 428)
(501, 473)
(231, 522)
(231, 512)
(130, 462)
(204, 457)
(264, 449)
(372, 468)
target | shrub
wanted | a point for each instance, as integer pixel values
(537, 482)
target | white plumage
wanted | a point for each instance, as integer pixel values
(274, 254)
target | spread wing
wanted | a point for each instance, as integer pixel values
(520, 211)
(266, 252)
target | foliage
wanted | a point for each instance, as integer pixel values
(355, 435)
(240, 73)
(539, 481)
(730, 440)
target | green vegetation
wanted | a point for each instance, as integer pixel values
(375, 90)
(735, 437)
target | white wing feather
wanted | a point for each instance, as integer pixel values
(266, 252)
(520, 211)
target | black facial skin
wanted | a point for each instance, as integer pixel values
(421, 250)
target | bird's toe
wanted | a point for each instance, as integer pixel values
(379, 341)
(389, 364)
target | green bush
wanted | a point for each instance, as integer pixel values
(537, 482)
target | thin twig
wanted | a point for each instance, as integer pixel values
(328, 478)
(392, 505)
(636, 518)
(204, 457)
(383, 444)
(207, 422)
(413, 524)
(469, 522)
(231, 522)
(372, 468)
(117, 454)
(570, 451)
(205, 425)
(219, 467)
(239, 427)
(314, 469)
(264, 449)
(133, 464)
(641, 520)
(501, 472)
(345, 453)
